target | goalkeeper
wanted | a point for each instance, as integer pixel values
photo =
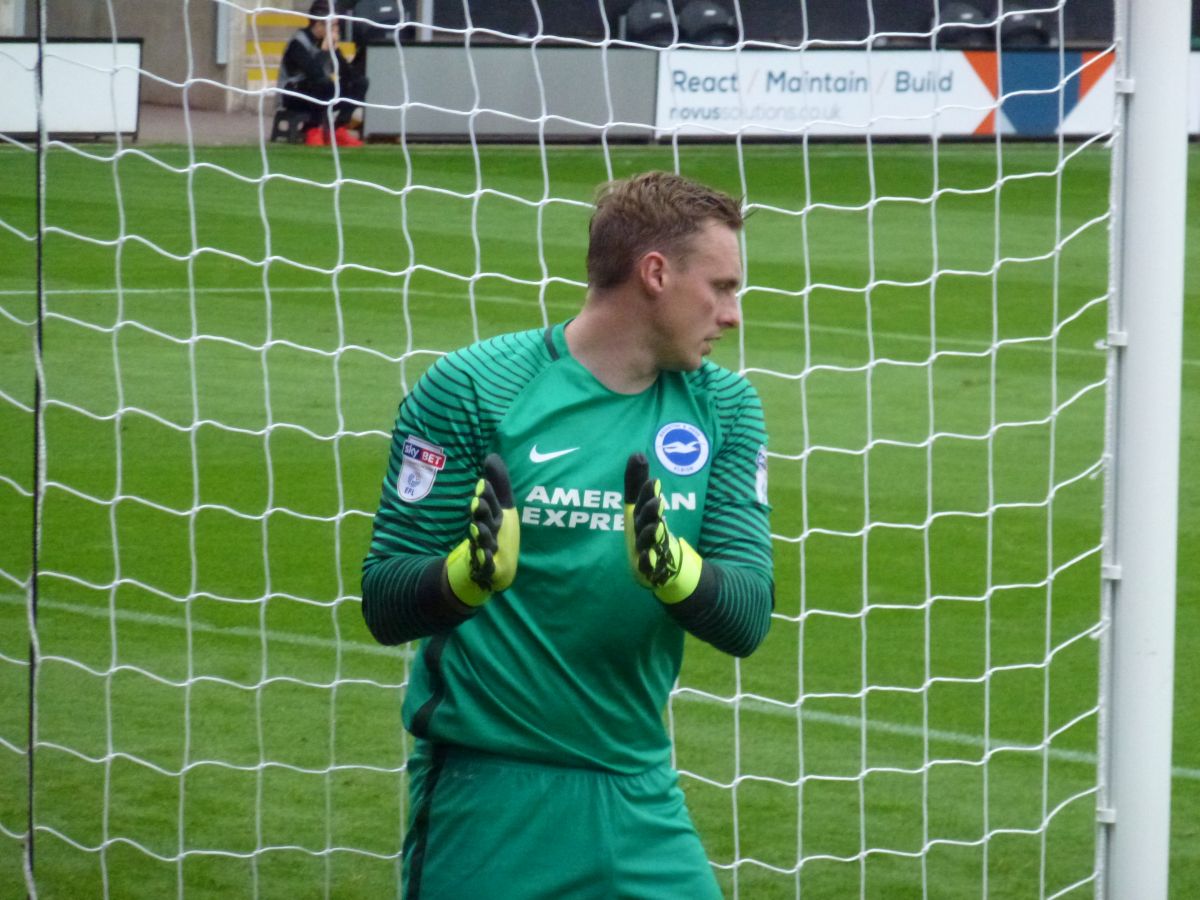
(560, 508)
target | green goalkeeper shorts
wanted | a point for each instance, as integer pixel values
(484, 826)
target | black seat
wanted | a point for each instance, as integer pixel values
(288, 123)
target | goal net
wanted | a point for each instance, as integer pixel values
(205, 334)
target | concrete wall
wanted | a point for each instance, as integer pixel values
(571, 93)
(12, 18)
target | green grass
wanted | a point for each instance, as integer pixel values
(224, 352)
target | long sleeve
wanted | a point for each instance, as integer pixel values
(403, 599)
(434, 461)
(442, 433)
(730, 608)
(732, 604)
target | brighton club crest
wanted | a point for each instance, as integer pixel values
(681, 447)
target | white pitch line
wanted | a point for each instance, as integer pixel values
(785, 325)
(899, 729)
(236, 631)
(302, 640)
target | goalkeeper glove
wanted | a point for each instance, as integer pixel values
(486, 560)
(662, 562)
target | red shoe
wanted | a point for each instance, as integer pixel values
(344, 137)
(316, 137)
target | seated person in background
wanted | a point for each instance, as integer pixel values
(318, 78)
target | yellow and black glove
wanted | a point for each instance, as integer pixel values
(486, 561)
(662, 562)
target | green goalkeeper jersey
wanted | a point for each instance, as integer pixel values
(572, 664)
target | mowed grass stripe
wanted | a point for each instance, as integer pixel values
(350, 646)
(236, 631)
(1034, 343)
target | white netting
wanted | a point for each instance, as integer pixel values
(226, 330)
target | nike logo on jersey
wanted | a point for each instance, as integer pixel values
(536, 457)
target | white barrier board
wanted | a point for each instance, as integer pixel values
(884, 92)
(90, 87)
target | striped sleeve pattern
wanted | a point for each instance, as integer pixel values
(406, 599)
(731, 607)
(457, 406)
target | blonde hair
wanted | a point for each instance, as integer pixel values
(652, 211)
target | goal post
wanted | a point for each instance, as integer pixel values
(1146, 334)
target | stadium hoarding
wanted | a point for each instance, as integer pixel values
(451, 92)
(769, 93)
(457, 92)
(89, 87)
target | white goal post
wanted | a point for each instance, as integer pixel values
(962, 310)
(1146, 318)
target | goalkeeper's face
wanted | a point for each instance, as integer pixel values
(699, 300)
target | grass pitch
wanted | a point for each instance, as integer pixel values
(227, 337)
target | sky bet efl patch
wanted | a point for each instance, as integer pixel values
(422, 462)
(681, 447)
(760, 474)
